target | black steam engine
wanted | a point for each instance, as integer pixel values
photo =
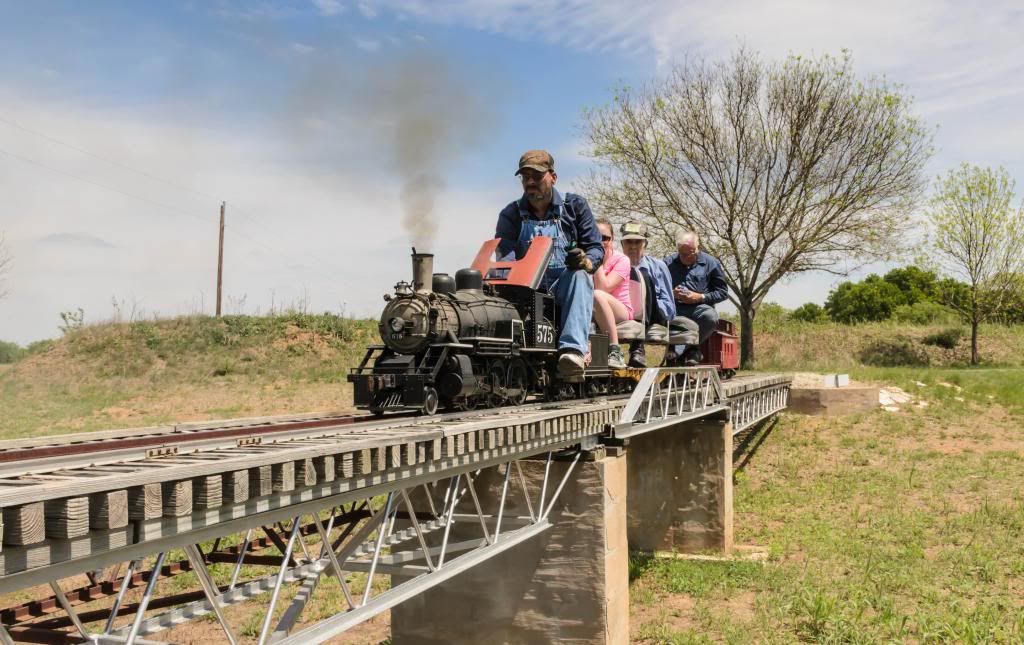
(486, 338)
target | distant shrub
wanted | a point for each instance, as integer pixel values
(771, 316)
(898, 351)
(946, 339)
(39, 346)
(924, 313)
(810, 312)
(10, 352)
(868, 301)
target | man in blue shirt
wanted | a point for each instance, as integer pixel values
(576, 254)
(698, 284)
(660, 304)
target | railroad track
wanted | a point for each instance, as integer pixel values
(46, 454)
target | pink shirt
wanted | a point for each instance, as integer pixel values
(618, 264)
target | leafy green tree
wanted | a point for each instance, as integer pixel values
(979, 235)
(810, 312)
(872, 300)
(1013, 308)
(781, 167)
(916, 284)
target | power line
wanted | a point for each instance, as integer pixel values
(255, 219)
(124, 166)
(109, 161)
(98, 184)
(247, 215)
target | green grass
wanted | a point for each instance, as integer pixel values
(983, 386)
(882, 527)
(152, 372)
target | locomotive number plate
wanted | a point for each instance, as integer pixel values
(545, 335)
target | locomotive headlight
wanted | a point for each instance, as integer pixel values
(397, 324)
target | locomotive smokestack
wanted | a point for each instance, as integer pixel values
(422, 271)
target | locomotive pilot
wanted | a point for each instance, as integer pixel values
(567, 219)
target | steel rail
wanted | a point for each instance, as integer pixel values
(25, 458)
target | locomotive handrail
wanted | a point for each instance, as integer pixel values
(666, 396)
(527, 271)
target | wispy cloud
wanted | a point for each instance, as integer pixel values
(367, 44)
(76, 239)
(329, 7)
(300, 48)
(368, 11)
(937, 47)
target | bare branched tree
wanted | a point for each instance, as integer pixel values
(782, 168)
(979, 236)
(5, 266)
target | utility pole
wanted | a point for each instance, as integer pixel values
(220, 256)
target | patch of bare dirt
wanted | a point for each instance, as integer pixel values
(741, 606)
(811, 380)
(674, 610)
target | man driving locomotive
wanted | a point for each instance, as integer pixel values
(577, 251)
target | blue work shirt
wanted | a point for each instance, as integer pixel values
(703, 276)
(576, 220)
(662, 279)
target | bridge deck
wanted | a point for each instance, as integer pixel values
(94, 510)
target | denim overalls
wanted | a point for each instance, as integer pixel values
(552, 228)
(573, 290)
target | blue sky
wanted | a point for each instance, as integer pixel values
(124, 124)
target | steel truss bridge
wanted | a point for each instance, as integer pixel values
(102, 519)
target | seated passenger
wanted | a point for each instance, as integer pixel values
(660, 304)
(611, 294)
(698, 284)
(577, 250)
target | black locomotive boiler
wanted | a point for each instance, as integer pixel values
(485, 338)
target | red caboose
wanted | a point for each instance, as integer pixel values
(722, 348)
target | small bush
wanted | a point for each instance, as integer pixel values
(771, 316)
(10, 352)
(810, 312)
(946, 339)
(40, 346)
(924, 313)
(898, 351)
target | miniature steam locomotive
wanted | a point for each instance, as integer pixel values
(487, 337)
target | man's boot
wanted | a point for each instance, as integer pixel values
(692, 356)
(637, 355)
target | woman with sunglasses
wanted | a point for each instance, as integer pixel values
(611, 293)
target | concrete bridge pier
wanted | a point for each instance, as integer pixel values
(570, 584)
(680, 488)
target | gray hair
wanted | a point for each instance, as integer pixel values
(688, 236)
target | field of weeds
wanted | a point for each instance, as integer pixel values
(830, 347)
(191, 368)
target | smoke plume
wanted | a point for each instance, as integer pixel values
(431, 117)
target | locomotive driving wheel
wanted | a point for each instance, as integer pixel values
(430, 402)
(496, 378)
(517, 382)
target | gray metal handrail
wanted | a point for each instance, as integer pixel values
(666, 395)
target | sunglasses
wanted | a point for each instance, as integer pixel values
(606, 238)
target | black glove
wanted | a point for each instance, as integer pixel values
(576, 259)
